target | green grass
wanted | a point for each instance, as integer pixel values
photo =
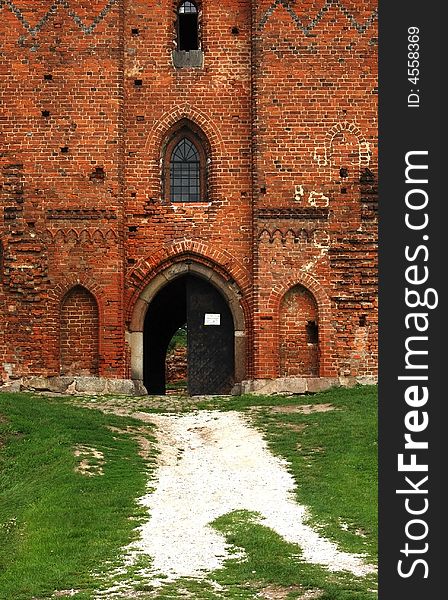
(179, 339)
(179, 386)
(273, 562)
(62, 530)
(334, 462)
(58, 526)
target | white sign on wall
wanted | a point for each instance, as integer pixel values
(212, 319)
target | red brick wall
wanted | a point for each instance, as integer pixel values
(79, 333)
(61, 98)
(286, 99)
(315, 170)
(176, 365)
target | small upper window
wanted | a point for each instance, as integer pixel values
(187, 27)
(187, 7)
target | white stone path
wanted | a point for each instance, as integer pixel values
(213, 463)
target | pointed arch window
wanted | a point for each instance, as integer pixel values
(187, 26)
(185, 168)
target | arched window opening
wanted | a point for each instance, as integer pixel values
(185, 165)
(185, 172)
(187, 27)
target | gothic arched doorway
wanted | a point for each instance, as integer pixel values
(192, 301)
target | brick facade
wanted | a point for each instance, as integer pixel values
(283, 102)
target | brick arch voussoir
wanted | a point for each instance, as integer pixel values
(169, 119)
(57, 294)
(345, 126)
(308, 282)
(218, 261)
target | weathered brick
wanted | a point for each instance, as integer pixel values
(286, 102)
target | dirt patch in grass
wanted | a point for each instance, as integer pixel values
(140, 434)
(276, 592)
(91, 461)
(304, 409)
(311, 595)
(297, 427)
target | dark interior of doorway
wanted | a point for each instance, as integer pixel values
(165, 315)
(192, 301)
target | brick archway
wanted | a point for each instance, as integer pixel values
(228, 290)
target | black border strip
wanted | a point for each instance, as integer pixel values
(403, 128)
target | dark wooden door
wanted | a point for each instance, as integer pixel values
(211, 362)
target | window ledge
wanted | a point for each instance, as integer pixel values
(200, 203)
(188, 58)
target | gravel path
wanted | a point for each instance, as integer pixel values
(213, 463)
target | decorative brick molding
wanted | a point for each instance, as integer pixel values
(52, 10)
(307, 29)
(80, 214)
